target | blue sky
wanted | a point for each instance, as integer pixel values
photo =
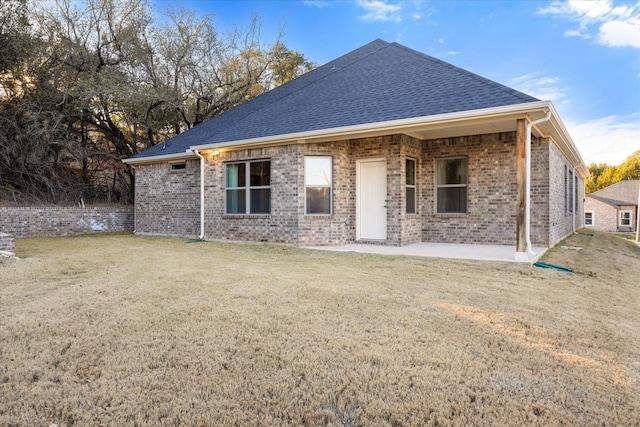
(582, 55)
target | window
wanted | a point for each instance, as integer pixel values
(318, 179)
(570, 192)
(452, 186)
(575, 188)
(178, 166)
(625, 218)
(566, 190)
(588, 218)
(410, 184)
(248, 185)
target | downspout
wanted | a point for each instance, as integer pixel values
(134, 203)
(197, 153)
(527, 191)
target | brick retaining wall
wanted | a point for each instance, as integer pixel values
(7, 243)
(64, 221)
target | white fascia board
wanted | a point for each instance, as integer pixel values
(563, 140)
(169, 158)
(392, 126)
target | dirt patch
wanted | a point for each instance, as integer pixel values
(125, 330)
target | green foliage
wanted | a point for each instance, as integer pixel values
(603, 175)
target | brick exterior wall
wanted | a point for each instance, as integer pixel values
(605, 216)
(491, 190)
(167, 202)
(7, 243)
(24, 222)
(561, 213)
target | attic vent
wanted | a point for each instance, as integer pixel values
(178, 166)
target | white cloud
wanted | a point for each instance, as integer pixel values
(576, 33)
(545, 88)
(395, 11)
(608, 140)
(619, 33)
(379, 11)
(612, 26)
(316, 3)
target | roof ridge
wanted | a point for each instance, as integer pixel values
(477, 77)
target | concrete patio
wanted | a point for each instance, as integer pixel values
(497, 253)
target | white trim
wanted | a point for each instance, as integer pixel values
(359, 191)
(630, 219)
(554, 129)
(248, 187)
(465, 185)
(401, 125)
(593, 219)
(414, 185)
(169, 158)
(201, 157)
(330, 186)
(174, 166)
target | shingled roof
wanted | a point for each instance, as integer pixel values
(623, 193)
(375, 83)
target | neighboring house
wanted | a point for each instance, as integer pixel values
(383, 145)
(614, 208)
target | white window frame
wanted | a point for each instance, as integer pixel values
(178, 166)
(414, 186)
(592, 219)
(465, 185)
(621, 218)
(247, 187)
(330, 186)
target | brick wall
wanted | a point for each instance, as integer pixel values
(605, 216)
(411, 223)
(339, 228)
(63, 221)
(278, 227)
(168, 201)
(7, 243)
(491, 190)
(560, 210)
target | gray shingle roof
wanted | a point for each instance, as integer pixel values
(375, 83)
(623, 193)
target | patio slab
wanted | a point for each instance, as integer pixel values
(497, 253)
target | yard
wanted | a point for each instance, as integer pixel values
(131, 330)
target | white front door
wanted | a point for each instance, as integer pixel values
(372, 204)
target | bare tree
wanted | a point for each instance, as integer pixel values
(114, 83)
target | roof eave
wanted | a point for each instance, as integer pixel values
(553, 129)
(556, 130)
(383, 128)
(168, 158)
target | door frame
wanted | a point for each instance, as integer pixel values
(359, 193)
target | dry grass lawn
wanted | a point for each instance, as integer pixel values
(128, 330)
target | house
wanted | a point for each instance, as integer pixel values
(614, 208)
(383, 145)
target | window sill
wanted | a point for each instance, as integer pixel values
(450, 214)
(245, 216)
